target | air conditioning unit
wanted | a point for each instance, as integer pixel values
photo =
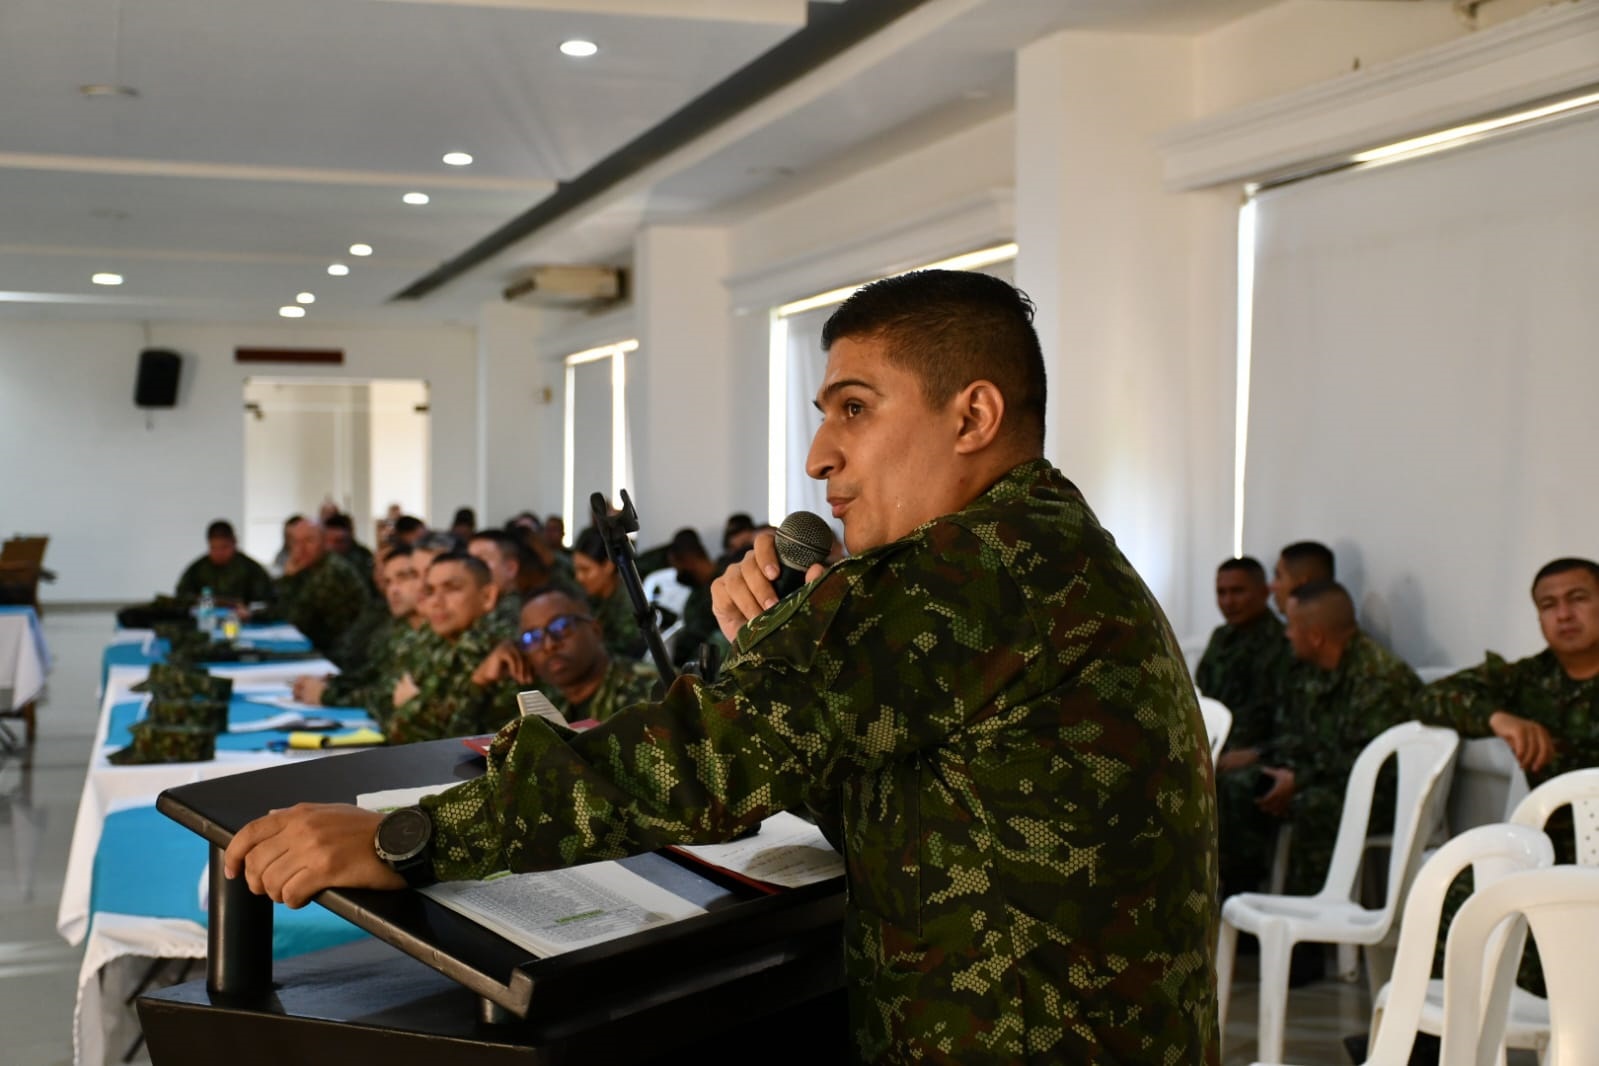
(565, 286)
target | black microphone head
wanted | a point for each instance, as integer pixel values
(803, 540)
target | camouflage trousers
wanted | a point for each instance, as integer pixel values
(1249, 834)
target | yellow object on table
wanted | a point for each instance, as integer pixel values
(356, 738)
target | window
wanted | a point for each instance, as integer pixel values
(597, 454)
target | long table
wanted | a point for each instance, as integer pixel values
(131, 891)
(24, 660)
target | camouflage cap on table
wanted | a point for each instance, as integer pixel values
(173, 681)
(209, 714)
(153, 743)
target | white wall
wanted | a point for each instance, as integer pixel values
(401, 442)
(520, 412)
(126, 506)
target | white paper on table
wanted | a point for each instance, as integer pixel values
(788, 852)
(393, 799)
(286, 720)
(287, 702)
(562, 910)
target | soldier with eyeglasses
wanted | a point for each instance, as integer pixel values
(562, 647)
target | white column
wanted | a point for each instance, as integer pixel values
(1140, 382)
(519, 418)
(681, 412)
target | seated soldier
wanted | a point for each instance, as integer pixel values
(232, 576)
(436, 695)
(1545, 707)
(686, 554)
(562, 647)
(318, 593)
(355, 685)
(1245, 666)
(409, 529)
(339, 532)
(504, 555)
(1349, 690)
(1300, 563)
(613, 609)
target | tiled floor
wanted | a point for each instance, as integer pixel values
(38, 970)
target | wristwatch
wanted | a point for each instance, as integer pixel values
(404, 840)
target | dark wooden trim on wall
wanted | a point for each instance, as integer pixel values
(289, 355)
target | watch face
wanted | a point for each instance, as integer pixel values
(404, 833)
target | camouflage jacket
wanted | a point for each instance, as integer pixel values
(1028, 813)
(375, 691)
(615, 615)
(366, 634)
(1536, 687)
(449, 704)
(365, 655)
(322, 601)
(626, 682)
(507, 614)
(1246, 666)
(242, 580)
(1330, 715)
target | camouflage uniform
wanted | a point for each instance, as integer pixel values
(507, 614)
(242, 580)
(449, 703)
(1537, 688)
(1246, 667)
(615, 615)
(365, 635)
(362, 562)
(626, 682)
(169, 681)
(322, 601)
(374, 691)
(1002, 712)
(365, 655)
(1329, 717)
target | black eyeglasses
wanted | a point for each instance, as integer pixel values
(557, 630)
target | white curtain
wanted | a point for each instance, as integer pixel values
(1425, 383)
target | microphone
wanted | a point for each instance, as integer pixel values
(803, 540)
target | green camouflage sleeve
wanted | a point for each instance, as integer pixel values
(792, 710)
(258, 584)
(1464, 701)
(192, 581)
(449, 703)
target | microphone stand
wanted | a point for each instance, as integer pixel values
(614, 529)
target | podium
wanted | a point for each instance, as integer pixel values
(757, 976)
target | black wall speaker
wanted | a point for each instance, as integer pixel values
(157, 385)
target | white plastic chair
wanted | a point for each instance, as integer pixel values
(1218, 722)
(1333, 915)
(1403, 1007)
(662, 588)
(1527, 1018)
(1561, 905)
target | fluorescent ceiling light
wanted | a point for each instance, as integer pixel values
(590, 355)
(1434, 141)
(415, 198)
(360, 249)
(305, 298)
(579, 49)
(107, 279)
(292, 311)
(457, 159)
(338, 270)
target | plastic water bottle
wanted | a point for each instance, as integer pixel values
(206, 614)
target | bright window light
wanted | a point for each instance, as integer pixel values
(1246, 331)
(617, 353)
(969, 261)
(1432, 142)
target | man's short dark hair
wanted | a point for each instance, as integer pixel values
(464, 516)
(1245, 564)
(396, 550)
(220, 528)
(339, 520)
(510, 545)
(686, 542)
(951, 328)
(1569, 563)
(591, 542)
(406, 524)
(1312, 558)
(474, 566)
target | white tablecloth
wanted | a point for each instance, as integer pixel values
(24, 659)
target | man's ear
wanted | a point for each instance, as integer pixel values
(981, 408)
(491, 596)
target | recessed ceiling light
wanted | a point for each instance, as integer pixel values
(305, 298)
(360, 249)
(107, 279)
(579, 49)
(416, 198)
(457, 159)
(338, 270)
(292, 311)
(108, 90)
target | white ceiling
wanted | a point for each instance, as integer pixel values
(267, 137)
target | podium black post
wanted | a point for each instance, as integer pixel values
(757, 974)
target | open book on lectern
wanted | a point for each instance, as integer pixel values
(557, 911)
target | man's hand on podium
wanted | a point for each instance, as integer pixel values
(292, 854)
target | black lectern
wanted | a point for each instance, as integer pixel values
(757, 977)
